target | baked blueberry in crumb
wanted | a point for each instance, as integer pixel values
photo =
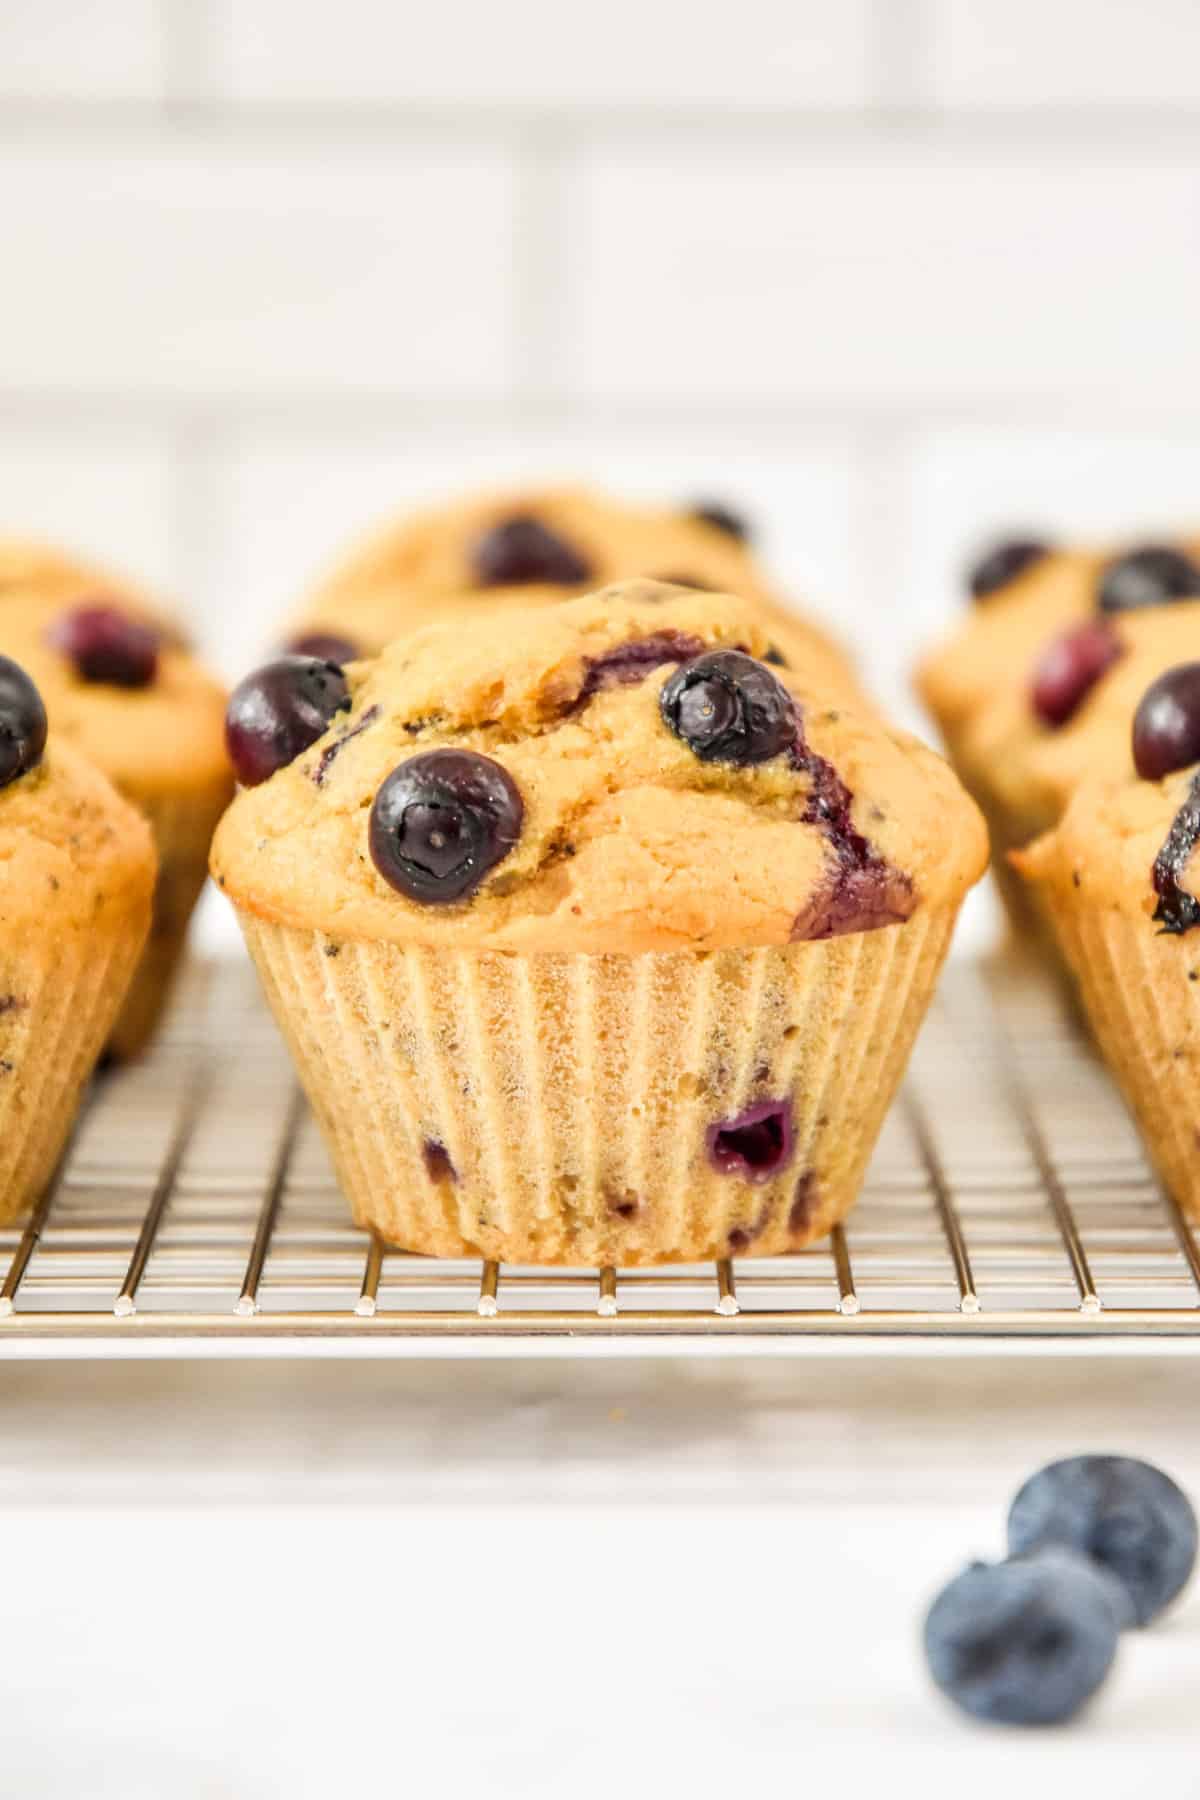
(436, 1158)
(723, 518)
(327, 646)
(1178, 910)
(804, 1204)
(1166, 725)
(105, 645)
(729, 708)
(441, 821)
(22, 725)
(1069, 668)
(1002, 563)
(774, 655)
(755, 1144)
(280, 710)
(521, 550)
(1152, 575)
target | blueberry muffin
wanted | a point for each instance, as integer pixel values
(1025, 592)
(152, 719)
(595, 937)
(76, 879)
(499, 551)
(1120, 880)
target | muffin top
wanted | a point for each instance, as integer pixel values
(1023, 600)
(623, 773)
(120, 688)
(1069, 718)
(496, 551)
(70, 847)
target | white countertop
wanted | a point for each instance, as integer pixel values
(297, 1579)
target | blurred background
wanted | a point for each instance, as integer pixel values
(887, 273)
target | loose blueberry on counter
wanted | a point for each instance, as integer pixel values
(522, 550)
(106, 645)
(724, 518)
(280, 710)
(729, 708)
(1166, 725)
(440, 821)
(1002, 563)
(327, 646)
(22, 723)
(1151, 575)
(1026, 1642)
(1125, 1515)
(1069, 668)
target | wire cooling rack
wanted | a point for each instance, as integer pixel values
(1009, 1199)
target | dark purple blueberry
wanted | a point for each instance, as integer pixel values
(521, 550)
(280, 710)
(22, 723)
(1123, 1514)
(1166, 725)
(326, 646)
(1151, 575)
(1026, 1642)
(440, 821)
(1178, 909)
(756, 1144)
(1002, 563)
(774, 655)
(436, 1158)
(632, 661)
(1069, 668)
(723, 518)
(106, 645)
(729, 708)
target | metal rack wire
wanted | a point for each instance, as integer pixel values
(1009, 1198)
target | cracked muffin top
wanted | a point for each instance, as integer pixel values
(626, 773)
(117, 685)
(498, 551)
(1069, 719)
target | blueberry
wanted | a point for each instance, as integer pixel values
(723, 518)
(729, 708)
(106, 645)
(1125, 1515)
(1166, 725)
(1024, 1642)
(280, 710)
(327, 646)
(1002, 563)
(1069, 668)
(22, 723)
(756, 1144)
(440, 821)
(522, 550)
(1149, 576)
(632, 661)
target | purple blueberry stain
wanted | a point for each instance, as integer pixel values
(332, 751)
(755, 1144)
(631, 662)
(863, 891)
(438, 1164)
(1178, 909)
(742, 1236)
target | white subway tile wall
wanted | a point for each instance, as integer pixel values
(890, 273)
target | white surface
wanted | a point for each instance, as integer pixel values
(478, 1579)
(1068, 52)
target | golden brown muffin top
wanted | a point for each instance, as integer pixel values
(164, 737)
(1035, 767)
(621, 836)
(70, 846)
(457, 560)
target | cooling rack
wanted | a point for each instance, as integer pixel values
(1009, 1200)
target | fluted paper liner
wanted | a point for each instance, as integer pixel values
(59, 996)
(183, 825)
(1145, 1013)
(558, 1108)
